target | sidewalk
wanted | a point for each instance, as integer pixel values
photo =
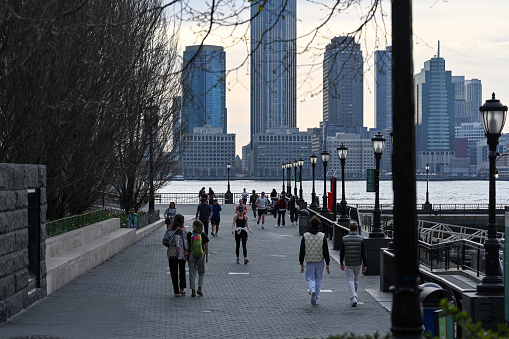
(130, 295)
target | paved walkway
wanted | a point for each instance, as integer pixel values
(130, 295)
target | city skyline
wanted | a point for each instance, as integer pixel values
(470, 46)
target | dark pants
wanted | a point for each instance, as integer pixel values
(178, 274)
(254, 210)
(294, 215)
(238, 237)
(205, 226)
(281, 214)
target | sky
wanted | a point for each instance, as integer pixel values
(473, 35)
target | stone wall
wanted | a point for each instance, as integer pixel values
(22, 237)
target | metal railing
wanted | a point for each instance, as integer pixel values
(437, 208)
(190, 198)
(328, 225)
(59, 226)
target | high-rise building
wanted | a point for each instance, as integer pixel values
(468, 98)
(383, 89)
(273, 65)
(343, 83)
(204, 83)
(473, 93)
(434, 107)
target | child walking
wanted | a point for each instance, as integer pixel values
(314, 249)
(198, 256)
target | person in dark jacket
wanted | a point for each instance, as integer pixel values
(294, 211)
(352, 257)
(280, 208)
(314, 249)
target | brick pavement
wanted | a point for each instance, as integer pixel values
(130, 295)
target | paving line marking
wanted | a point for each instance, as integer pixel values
(238, 273)
(325, 291)
(278, 255)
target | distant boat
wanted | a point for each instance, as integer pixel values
(179, 177)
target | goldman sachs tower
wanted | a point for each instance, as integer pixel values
(273, 65)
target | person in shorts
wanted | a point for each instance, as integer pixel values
(216, 217)
(261, 204)
(204, 214)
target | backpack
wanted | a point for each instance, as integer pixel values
(196, 245)
(175, 246)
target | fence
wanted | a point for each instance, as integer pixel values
(74, 222)
(143, 219)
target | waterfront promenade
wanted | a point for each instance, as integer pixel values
(130, 295)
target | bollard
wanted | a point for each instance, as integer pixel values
(303, 221)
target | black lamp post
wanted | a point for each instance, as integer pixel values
(493, 115)
(325, 160)
(283, 166)
(427, 205)
(313, 158)
(295, 164)
(228, 197)
(342, 152)
(378, 148)
(289, 176)
(301, 163)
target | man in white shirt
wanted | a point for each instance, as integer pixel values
(261, 204)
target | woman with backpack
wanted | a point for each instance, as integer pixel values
(198, 256)
(240, 228)
(176, 240)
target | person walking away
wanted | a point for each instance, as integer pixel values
(201, 194)
(273, 196)
(240, 227)
(198, 256)
(216, 217)
(211, 196)
(354, 256)
(241, 204)
(261, 204)
(252, 201)
(314, 249)
(169, 214)
(280, 207)
(294, 211)
(204, 214)
(176, 240)
(244, 197)
(132, 219)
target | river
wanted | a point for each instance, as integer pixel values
(440, 192)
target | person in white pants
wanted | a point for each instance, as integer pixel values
(353, 257)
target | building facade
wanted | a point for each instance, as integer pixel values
(468, 98)
(383, 89)
(343, 83)
(273, 66)
(204, 88)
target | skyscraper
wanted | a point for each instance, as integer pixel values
(434, 107)
(203, 80)
(273, 65)
(383, 89)
(343, 83)
(468, 98)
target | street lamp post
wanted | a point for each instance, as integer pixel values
(493, 115)
(342, 152)
(378, 148)
(313, 158)
(427, 205)
(283, 166)
(325, 160)
(301, 163)
(289, 175)
(228, 197)
(295, 164)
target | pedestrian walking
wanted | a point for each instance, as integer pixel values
(244, 197)
(241, 204)
(240, 227)
(211, 196)
(261, 204)
(176, 240)
(132, 219)
(198, 257)
(314, 249)
(280, 207)
(252, 201)
(354, 256)
(201, 194)
(294, 211)
(169, 214)
(204, 214)
(216, 217)
(273, 196)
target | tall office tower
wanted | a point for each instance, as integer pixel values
(273, 65)
(204, 83)
(343, 83)
(383, 89)
(434, 107)
(474, 99)
(460, 103)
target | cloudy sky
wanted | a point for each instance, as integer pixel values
(473, 34)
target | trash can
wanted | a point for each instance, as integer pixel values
(303, 221)
(430, 297)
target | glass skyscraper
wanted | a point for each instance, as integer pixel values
(343, 84)
(273, 65)
(383, 89)
(204, 83)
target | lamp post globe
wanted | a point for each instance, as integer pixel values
(313, 158)
(283, 167)
(295, 165)
(342, 153)
(325, 159)
(493, 115)
(378, 148)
